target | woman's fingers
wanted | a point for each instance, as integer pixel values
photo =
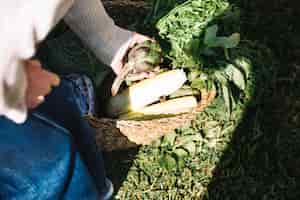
(33, 101)
(35, 68)
(40, 83)
(139, 38)
(117, 62)
(51, 78)
(33, 63)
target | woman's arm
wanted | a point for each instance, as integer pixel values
(89, 20)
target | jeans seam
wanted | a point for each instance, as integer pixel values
(52, 123)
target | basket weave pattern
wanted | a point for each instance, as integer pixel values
(114, 134)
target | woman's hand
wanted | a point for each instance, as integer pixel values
(117, 63)
(39, 83)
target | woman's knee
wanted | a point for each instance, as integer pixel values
(32, 155)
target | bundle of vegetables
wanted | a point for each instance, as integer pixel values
(199, 60)
(142, 98)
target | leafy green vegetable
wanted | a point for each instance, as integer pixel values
(245, 64)
(211, 39)
(226, 95)
(192, 30)
(236, 76)
(184, 28)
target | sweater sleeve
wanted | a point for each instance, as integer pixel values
(23, 25)
(89, 20)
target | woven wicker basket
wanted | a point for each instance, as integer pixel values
(113, 134)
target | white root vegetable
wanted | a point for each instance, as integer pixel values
(145, 92)
(168, 108)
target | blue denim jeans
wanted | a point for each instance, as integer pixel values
(53, 155)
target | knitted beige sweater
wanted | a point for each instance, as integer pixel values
(26, 23)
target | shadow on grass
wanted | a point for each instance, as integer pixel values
(263, 159)
(118, 163)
